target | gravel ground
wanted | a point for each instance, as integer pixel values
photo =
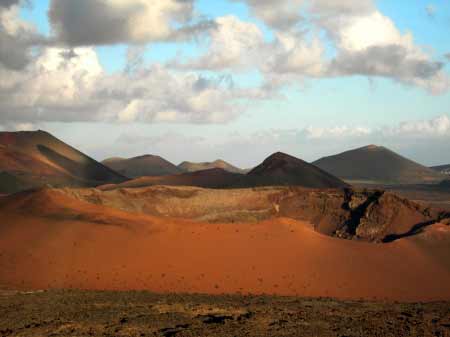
(80, 313)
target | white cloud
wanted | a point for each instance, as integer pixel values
(335, 132)
(70, 85)
(234, 44)
(25, 127)
(436, 127)
(374, 29)
(291, 57)
(366, 43)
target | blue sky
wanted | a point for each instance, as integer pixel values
(355, 100)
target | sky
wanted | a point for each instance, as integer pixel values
(238, 80)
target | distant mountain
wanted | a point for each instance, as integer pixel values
(278, 170)
(143, 166)
(213, 178)
(220, 164)
(34, 159)
(444, 169)
(377, 164)
(281, 170)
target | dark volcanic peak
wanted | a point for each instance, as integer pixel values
(283, 169)
(377, 164)
(142, 166)
(36, 158)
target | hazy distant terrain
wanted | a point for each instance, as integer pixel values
(218, 164)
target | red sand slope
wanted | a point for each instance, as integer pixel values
(75, 244)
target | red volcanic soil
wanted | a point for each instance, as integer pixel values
(51, 240)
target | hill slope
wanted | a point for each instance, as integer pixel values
(33, 159)
(221, 164)
(375, 164)
(281, 170)
(142, 166)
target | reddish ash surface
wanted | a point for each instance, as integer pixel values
(51, 240)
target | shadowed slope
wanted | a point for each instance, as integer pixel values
(142, 166)
(33, 159)
(375, 164)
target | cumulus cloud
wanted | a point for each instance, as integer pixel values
(101, 22)
(280, 14)
(335, 132)
(371, 45)
(237, 45)
(234, 44)
(16, 37)
(71, 85)
(392, 61)
(157, 94)
(291, 57)
(436, 127)
(366, 43)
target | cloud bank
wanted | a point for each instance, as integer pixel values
(59, 78)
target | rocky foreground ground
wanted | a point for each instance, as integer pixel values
(79, 313)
